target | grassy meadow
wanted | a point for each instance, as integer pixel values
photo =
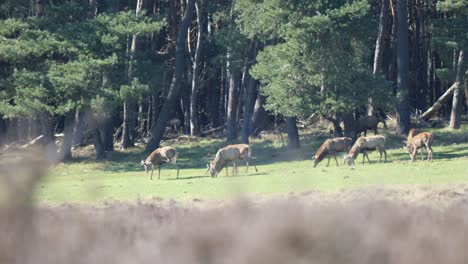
(121, 177)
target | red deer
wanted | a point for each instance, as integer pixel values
(417, 141)
(159, 157)
(369, 123)
(330, 147)
(364, 144)
(230, 153)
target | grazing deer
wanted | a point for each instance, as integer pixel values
(417, 141)
(159, 157)
(227, 154)
(369, 123)
(364, 144)
(330, 147)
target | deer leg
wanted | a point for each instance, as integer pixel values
(328, 161)
(429, 152)
(385, 152)
(246, 162)
(363, 157)
(227, 174)
(413, 154)
(380, 158)
(159, 171)
(152, 169)
(367, 156)
(235, 166)
(336, 160)
(253, 163)
(177, 166)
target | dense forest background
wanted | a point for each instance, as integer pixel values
(131, 70)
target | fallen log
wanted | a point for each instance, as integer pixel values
(440, 102)
(212, 130)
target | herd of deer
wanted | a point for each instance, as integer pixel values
(329, 148)
(230, 153)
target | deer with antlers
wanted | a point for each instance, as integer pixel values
(159, 157)
(230, 153)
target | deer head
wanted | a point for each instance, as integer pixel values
(145, 165)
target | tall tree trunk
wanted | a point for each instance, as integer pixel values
(379, 47)
(40, 7)
(126, 141)
(234, 77)
(107, 134)
(379, 43)
(258, 116)
(293, 133)
(349, 123)
(78, 128)
(455, 117)
(248, 108)
(65, 149)
(466, 97)
(3, 131)
(93, 8)
(194, 127)
(96, 135)
(403, 109)
(47, 128)
(174, 88)
(130, 121)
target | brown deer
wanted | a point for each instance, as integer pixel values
(364, 144)
(159, 157)
(417, 141)
(369, 123)
(230, 153)
(330, 147)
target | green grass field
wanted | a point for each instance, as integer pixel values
(121, 177)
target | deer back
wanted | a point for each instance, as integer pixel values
(162, 155)
(422, 139)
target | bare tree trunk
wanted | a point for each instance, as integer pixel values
(78, 128)
(97, 141)
(258, 115)
(3, 131)
(466, 97)
(93, 8)
(234, 77)
(126, 141)
(40, 7)
(174, 89)
(403, 109)
(349, 123)
(107, 134)
(379, 43)
(248, 108)
(130, 122)
(455, 117)
(194, 127)
(379, 47)
(293, 133)
(65, 150)
(46, 128)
